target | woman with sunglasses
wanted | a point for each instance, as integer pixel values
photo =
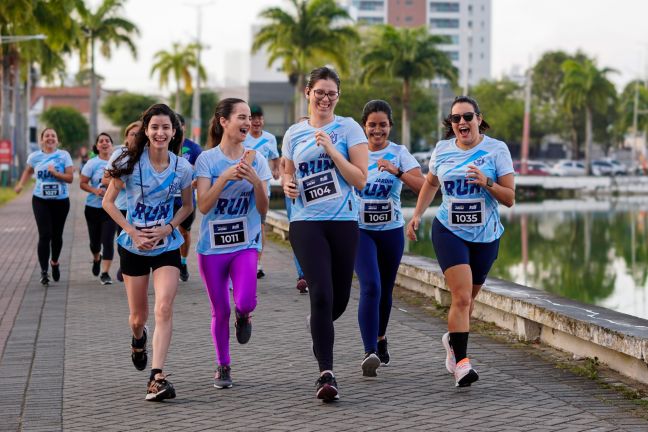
(475, 174)
(151, 172)
(326, 157)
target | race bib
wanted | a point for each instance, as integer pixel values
(51, 189)
(228, 233)
(319, 187)
(377, 212)
(468, 212)
(158, 223)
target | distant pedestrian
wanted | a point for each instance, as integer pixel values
(51, 203)
(151, 173)
(381, 244)
(232, 196)
(475, 174)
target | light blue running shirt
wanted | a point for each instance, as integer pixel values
(94, 170)
(266, 144)
(234, 223)
(47, 186)
(155, 207)
(379, 202)
(121, 201)
(468, 210)
(323, 193)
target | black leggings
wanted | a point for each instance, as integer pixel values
(101, 230)
(50, 217)
(326, 251)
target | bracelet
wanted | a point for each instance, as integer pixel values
(172, 227)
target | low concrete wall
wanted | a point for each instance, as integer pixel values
(618, 340)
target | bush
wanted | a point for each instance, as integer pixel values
(70, 126)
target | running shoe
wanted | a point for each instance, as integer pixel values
(105, 279)
(326, 387)
(451, 363)
(184, 273)
(56, 272)
(160, 389)
(302, 286)
(260, 273)
(223, 377)
(465, 374)
(138, 350)
(369, 365)
(120, 275)
(243, 326)
(44, 279)
(96, 266)
(383, 352)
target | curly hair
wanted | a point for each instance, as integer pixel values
(483, 126)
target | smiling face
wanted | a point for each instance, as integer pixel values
(49, 140)
(319, 103)
(104, 145)
(257, 125)
(377, 128)
(237, 125)
(160, 132)
(467, 132)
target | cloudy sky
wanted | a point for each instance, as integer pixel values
(614, 32)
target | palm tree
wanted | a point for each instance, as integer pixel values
(106, 27)
(585, 87)
(178, 62)
(407, 54)
(313, 34)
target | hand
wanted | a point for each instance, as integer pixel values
(194, 184)
(476, 176)
(155, 234)
(385, 165)
(18, 188)
(100, 191)
(412, 226)
(324, 140)
(52, 169)
(231, 173)
(290, 189)
(139, 239)
(245, 171)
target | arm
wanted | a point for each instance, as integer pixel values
(28, 172)
(289, 186)
(66, 176)
(412, 178)
(208, 193)
(274, 167)
(426, 195)
(84, 183)
(503, 190)
(245, 171)
(353, 170)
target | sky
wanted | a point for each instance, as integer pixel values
(613, 32)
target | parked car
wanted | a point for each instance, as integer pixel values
(568, 168)
(618, 167)
(602, 168)
(536, 168)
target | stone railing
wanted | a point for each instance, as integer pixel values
(618, 340)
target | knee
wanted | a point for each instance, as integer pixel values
(462, 298)
(370, 289)
(163, 311)
(138, 319)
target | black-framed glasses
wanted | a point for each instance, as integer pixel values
(468, 116)
(332, 95)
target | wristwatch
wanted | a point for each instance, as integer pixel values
(399, 173)
(489, 182)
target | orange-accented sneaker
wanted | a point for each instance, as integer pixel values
(465, 374)
(451, 363)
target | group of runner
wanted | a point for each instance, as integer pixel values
(342, 182)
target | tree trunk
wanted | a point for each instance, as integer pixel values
(405, 121)
(574, 142)
(5, 93)
(300, 105)
(588, 140)
(177, 99)
(93, 94)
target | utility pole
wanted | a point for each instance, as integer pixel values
(526, 128)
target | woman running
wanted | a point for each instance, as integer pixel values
(101, 228)
(327, 155)
(381, 244)
(475, 174)
(232, 196)
(151, 173)
(51, 203)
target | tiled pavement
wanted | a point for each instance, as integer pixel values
(66, 362)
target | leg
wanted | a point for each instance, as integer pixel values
(108, 228)
(137, 294)
(343, 238)
(366, 267)
(482, 257)
(94, 223)
(184, 248)
(44, 221)
(244, 280)
(58, 224)
(390, 252)
(165, 284)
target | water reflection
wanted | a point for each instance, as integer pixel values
(591, 251)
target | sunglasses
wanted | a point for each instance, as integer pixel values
(456, 118)
(332, 95)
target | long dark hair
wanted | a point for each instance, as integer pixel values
(483, 126)
(133, 153)
(374, 106)
(223, 109)
(94, 147)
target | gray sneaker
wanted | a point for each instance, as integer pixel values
(223, 377)
(369, 365)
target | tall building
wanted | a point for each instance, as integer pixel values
(466, 24)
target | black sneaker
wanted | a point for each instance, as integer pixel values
(44, 279)
(326, 388)
(160, 389)
(184, 273)
(383, 352)
(96, 266)
(260, 273)
(120, 276)
(369, 365)
(243, 326)
(138, 350)
(56, 272)
(105, 279)
(223, 377)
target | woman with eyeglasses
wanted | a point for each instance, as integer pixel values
(475, 175)
(151, 172)
(326, 157)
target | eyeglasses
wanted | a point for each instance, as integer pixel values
(332, 95)
(468, 116)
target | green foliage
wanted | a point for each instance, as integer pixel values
(502, 104)
(208, 102)
(70, 126)
(125, 108)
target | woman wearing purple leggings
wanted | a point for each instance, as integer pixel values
(231, 196)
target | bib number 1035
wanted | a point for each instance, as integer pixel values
(466, 212)
(319, 187)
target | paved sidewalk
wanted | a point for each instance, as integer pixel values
(66, 363)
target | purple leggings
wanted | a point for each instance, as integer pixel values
(216, 271)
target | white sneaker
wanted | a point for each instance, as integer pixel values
(369, 365)
(465, 374)
(451, 363)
